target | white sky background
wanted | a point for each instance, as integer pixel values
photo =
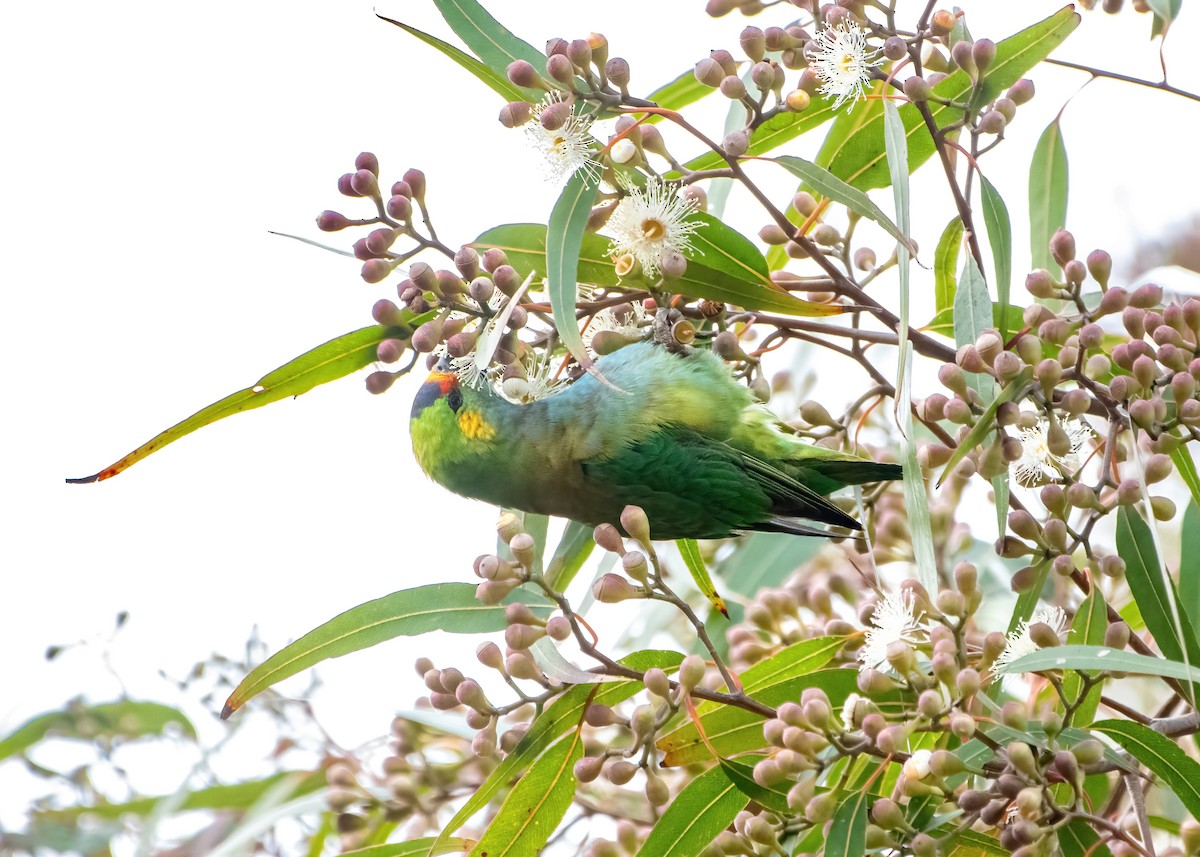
(149, 148)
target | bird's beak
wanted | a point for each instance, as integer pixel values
(443, 364)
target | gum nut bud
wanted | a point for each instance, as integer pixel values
(933, 407)
(818, 712)
(332, 221)
(635, 522)
(820, 808)
(814, 414)
(506, 279)
(733, 88)
(560, 68)
(1020, 756)
(612, 588)
(992, 122)
(973, 800)
(826, 235)
(1007, 365)
(1024, 579)
(753, 43)
(607, 537)
(380, 240)
(709, 72)
(1048, 372)
(893, 739)
(365, 183)
(657, 683)
(514, 114)
(617, 72)
(522, 546)
(1145, 370)
(390, 350)
(600, 715)
(489, 654)
(519, 318)
(994, 813)
(735, 143)
(1148, 296)
(1142, 414)
(873, 724)
(344, 185)
(1074, 272)
(917, 89)
(657, 791)
(989, 345)
(1163, 508)
(522, 73)
(415, 179)
(958, 411)
(943, 22)
(1089, 751)
(1014, 715)
(386, 313)
(620, 772)
(399, 208)
(791, 714)
(427, 337)
(952, 378)
(623, 151)
(1183, 387)
(1043, 635)
(962, 725)
(556, 45)
(1040, 284)
(521, 614)
(558, 628)
(960, 52)
(873, 682)
(1158, 468)
(380, 382)
(692, 671)
(466, 260)
(588, 768)
(579, 51)
(1029, 348)
(887, 814)
(773, 731)
(673, 265)
(951, 603)
(520, 664)
(1007, 108)
(983, 52)
(1021, 92)
(470, 694)
(929, 704)
(763, 75)
(1066, 764)
(461, 344)
(943, 763)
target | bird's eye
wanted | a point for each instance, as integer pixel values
(454, 399)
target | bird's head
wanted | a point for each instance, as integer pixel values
(450, 419)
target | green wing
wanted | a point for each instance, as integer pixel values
(694, 487)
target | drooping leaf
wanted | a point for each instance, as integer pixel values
(848, 830)
(413, 848)
(1189, 563)
(487, 38)
(450, 607)
(1087, 629)
(690, 551)
(1048, 180)
(1161, 755)
(335, 359)
(572, 552)
(564, 243)
(945, 265)
(561, 716)
(535, 806)
(862, 162)
(999, 232)
(493, 78)
(705, 807)
(1102, 658)
(124, 719)
(986, 421)
(829, 185)
(1156, 597)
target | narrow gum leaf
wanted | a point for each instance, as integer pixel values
(564, 243)
(490, 40)
(999, 232)
(945, 265)
(690, 551)
(1161, 755)
(450, 607)
(496, 79)
(986, 421)
(705, 807)
(335, 359)
(1048, 183)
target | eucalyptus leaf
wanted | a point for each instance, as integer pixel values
(1161, 755)
(1048, 181)
(1101, 658)
(564, 244)
(945, 264)
(697, 815)
(999, 232)
(497, 80)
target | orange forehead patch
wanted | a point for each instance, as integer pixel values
(446, 380)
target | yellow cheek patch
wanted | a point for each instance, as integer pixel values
(473, 425)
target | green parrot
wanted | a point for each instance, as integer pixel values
(677, 436)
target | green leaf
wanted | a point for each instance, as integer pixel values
(987, 420)
(1186, 467)
(124, 719)
(564, 244)
(1102, 658)
(724, 249)
(968, 843)
(1165, 11)
(1077, 839)
(999, 232)
(861, 162)
(848, 830)
(413, 848)
(690, 551)
(741, 773)
(537, 803)
(1027, 601)
(561, 716)
(972, 316)
(1047, 195)
(572, 552)
(1087, 629)
(763, 560)
(829, 185)
(772, 134)
(945, 263)
(706, 806)
(943, 323)
(235, 797)
(1161, 755)
(450, 607)
(1189, 563)
(328, 362)
(1156, 597)
(525, 246)
(496, 79)
(490, 40)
